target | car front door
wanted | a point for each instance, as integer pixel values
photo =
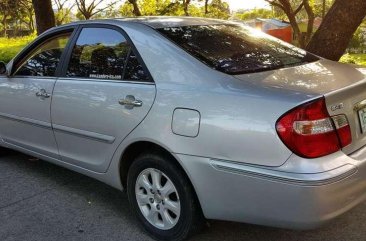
(25, 97)
(104, 94)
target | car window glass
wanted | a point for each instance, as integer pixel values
(134, 70)
(43, 61)
(236, 49)
(99, 53)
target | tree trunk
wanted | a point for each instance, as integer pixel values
(296, 29)
(136, 9)
(87, 15)
(45, 17)
(287, 7)
(339, 25)
(311, 19)
(5, 26)
(185, 7)
(30, 23)
(206, 6)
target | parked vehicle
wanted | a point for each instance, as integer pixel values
(195, 118)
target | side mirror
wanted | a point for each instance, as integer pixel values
(3, 70)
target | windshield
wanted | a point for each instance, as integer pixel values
(235, 48)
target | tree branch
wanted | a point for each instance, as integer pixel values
(102, 9)
(299, 8)
(276, 4)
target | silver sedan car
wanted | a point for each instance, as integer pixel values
(195, 118)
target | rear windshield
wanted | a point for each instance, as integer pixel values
(235, 48)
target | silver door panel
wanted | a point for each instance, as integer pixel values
(90, 123)
(25, 117)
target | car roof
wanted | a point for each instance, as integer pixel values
(158, 21)
(161, 21)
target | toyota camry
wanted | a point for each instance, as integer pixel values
(194, 118)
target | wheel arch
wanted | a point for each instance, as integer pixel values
(133, 150)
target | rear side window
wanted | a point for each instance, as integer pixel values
(236, 49)
(44, 60)
(102, 53)
(134, 70)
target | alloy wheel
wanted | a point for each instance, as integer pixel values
(157, 198)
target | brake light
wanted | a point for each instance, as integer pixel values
(310, 132)
(343, 129)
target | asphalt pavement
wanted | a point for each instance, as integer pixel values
(40, 201)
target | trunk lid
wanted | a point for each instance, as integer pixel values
(343, 86)
(351, 101)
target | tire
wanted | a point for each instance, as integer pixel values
(164, 224)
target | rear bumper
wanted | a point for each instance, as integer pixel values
(237, 192)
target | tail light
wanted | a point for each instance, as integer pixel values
(310, 132)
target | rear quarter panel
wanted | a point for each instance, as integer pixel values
(237, 118)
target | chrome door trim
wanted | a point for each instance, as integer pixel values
(108, 80)
(83, 133)
(32, 77)
(26, 120)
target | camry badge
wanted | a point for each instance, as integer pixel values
(336, 107)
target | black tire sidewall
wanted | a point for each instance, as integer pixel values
(187, 201)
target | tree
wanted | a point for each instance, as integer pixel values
(20, 19)
(255, 13)
(358, 39)
(5, 10)
(185, 6)
(291, 8)
(136, 9)
(110, 12)
(126, 10)
(45, 18)
(206, 7)
(321, 7)
(63, 13)
(27, 11)
(218, 9)
(214, 8)
(88, 9)
(340, 23)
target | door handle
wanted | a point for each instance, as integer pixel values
(42, 94)
(130, 102)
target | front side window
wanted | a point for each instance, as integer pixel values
(102, 53)
(44, 60)
(236, 49)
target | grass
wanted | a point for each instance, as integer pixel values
(359, 59)
(9, 47)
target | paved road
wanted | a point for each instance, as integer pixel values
(40, 201)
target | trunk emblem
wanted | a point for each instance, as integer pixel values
(337, 107)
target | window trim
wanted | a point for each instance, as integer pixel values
(36, 43)
(65, 62)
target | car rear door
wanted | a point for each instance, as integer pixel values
(105, 93)
(25, 96)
